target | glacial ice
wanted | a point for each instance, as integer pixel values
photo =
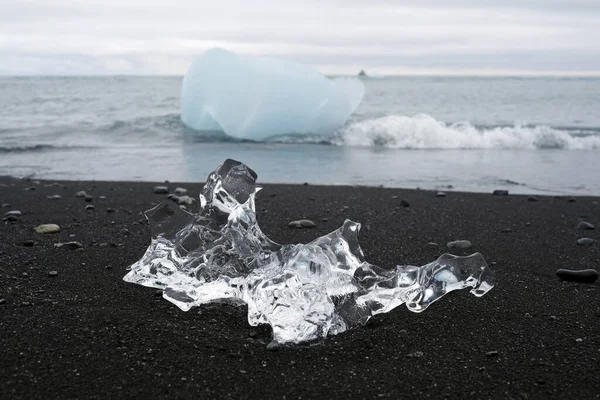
(304, 291)
(251, 97)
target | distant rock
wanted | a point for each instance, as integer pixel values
(89, 198)
(459, 244)
(47, 228)
(54, 197)
(362, 74)
(53, 273)
(81, 193)
(273, 346)
(500, 193)
(572, 200)
(585, 226)
(90, 207)
(533, 199)
(69, 245)
(14, 213)
(404, 203)
(432, 245)
(186, 200)
(584, 275)
(161, 189)
(29, 243)
(440, 194)
(180, 191)
(585, 241)
(303, 223)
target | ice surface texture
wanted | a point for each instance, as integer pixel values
(250, 97)
(304, 291)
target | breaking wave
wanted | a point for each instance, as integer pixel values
(425, 132)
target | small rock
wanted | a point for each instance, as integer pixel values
(324, 219)
(110, 210)
(585, 241)
(161, 189)
(102, 197)
(553, 318)
(584, 275)
(53, 273)
(125, 231)
(571, 200)
(173, 197)
(459, 244)
(500, 193)
(14, 213)
(81, 193)
(103, 245)
(180, 191)
(273, 346)
(54, 197)
(404, 203)
(579, 340)
(6, 205)
(90, 207)
(47, 228)
(29, 243)
(30, 189)
(491, 354)
(583, 226)
(69, 245)
(432, 245)
(2, 301)
(533, 199)
(186, 200)
(440, 194)
(11, 218)
(89, 198)
(506, 230)
(416, 354)
(303, 223)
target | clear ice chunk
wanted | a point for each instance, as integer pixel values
(251, 97)
(304, 291)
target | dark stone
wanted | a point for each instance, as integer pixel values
(29, 243)
(583, 226)
(404, 203)
(491, 354)
(572, 200)
(70, 245)
(53, 273)
(584, 275)
(89, 198)
(2, 301)
(500, 192)
(110, 210)
(533, 199)
(161, 189)
(90, 207)
(11, 218)
(440, 194)
(506, 230)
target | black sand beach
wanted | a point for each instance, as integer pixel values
(87, 334)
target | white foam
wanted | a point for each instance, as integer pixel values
(425, 132)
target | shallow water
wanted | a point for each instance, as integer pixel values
(528, 135)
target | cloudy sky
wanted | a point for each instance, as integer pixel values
(488, 37)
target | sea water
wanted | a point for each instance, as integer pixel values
(528, 135)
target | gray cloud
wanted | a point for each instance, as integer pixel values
(145, 37)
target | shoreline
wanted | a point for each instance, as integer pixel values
(86, 333)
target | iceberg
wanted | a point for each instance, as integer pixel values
(304, 291)
(254, 98)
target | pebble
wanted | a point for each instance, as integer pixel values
(110, 210)
(53, 273)
(579, 340)
(585, 241)
(69, 245)
(5, 205)
(186, 200)
(500, 193)
(584, 275)
(89, 198)
(161, 189)
(103, 245)
(11, 218)
(2, 301)
(14, 213)
(90, 207)
(180, 191)
(459, 244)
(583, 226)
(47, 228)
(416, 354)
(432, 245)
(553, 318)
(404, 203)
(490, 354)
(440, 194)
(303, 223)
(102, 197)
(533, 199)
(29, 243)
(273, 346)
(572, 200)
(54, 197)
(81, 193)
(506, 230)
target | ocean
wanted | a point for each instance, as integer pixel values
(527, 135)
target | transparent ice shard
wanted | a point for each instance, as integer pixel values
(304, 291)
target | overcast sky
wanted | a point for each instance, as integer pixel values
(74, 37)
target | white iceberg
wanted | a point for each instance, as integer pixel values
(250, 97)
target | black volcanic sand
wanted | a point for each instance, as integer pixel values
(87, 334)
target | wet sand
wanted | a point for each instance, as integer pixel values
(87, 334)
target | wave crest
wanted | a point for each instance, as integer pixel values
(425, 132)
